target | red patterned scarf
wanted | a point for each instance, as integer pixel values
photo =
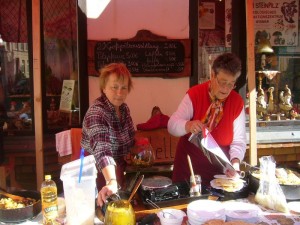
(214, 113)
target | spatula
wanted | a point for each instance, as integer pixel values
(13, 197)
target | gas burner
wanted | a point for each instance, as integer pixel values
(164, 195)
(156, 182)
(161, 194)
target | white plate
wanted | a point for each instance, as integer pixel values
(202, 209)
(294, 206)
(223, 176)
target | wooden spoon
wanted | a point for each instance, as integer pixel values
(13, 197)
(138, 183)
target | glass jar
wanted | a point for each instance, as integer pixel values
(142, 153)
(195, 188)
(119, 212)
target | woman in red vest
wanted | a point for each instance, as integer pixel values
(214, 105)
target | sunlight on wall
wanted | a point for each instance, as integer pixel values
(96, 7)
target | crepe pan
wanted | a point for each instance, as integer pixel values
(156, 182)
(22, 214)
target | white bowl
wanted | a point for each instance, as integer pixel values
(203, 210)
(171, 216)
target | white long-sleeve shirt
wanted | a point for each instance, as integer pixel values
(185, 112)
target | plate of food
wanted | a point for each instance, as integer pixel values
(229, 185)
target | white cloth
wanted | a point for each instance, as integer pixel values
(63, 143)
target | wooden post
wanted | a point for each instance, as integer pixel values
(251, 81)
(37, 89)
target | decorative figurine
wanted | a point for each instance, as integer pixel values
(52, 114)
(261, 104)
(26, 107)
(285, 103)
(271, 106)
(13, 106)
(52, 104)
(294, 114)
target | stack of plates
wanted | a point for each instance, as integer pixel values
(200, 211)
(246, 212)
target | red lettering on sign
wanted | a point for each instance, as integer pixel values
(268, 5)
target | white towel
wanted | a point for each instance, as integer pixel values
(63, 143)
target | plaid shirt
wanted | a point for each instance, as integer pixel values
(106, 136)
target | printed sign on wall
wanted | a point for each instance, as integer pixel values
(207, 15)
(276, 20)
(67, 95)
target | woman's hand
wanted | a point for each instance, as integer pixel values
(106, 191)
(194, 126)
(234, 173)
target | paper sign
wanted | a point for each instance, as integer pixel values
(67, 95)
(277, 21)
(207, 15)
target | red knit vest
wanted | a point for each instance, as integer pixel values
(223, 132)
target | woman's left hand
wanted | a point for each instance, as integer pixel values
(106, 191)
(234, 173)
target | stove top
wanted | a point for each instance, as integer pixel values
(174, 194)
(161, 194)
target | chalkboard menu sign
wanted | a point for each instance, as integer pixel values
(142, 57)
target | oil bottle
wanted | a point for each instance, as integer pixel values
(49, 201)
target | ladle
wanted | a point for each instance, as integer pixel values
(171, 216)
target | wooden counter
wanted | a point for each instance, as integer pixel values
(270, 217)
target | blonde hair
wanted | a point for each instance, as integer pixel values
(119, 69)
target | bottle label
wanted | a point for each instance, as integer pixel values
(51, 209)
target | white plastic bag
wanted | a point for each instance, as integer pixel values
(269, 193)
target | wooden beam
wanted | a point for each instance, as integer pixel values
(37, 90)
(251, 81)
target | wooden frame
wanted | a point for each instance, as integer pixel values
(37, 68)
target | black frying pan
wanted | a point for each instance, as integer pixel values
(291, 192)
(22, 214)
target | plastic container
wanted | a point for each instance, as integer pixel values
(195, 190)
(49, 201)
(171, 216)
(80, 196)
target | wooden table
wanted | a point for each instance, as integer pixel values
(268, 217)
